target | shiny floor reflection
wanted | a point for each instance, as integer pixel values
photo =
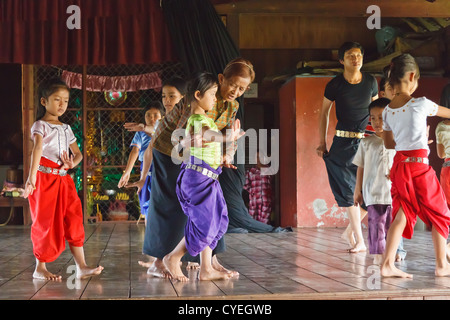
(304, 264)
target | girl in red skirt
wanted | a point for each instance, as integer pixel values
(415, 188)
(54, 204)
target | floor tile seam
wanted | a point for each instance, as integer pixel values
(101, 255)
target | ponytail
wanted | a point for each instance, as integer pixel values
(400, 66)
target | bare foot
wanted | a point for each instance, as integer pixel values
(43, 274)
(359, 247)
(399, 258)
(147, 264)
(158, 270)
(174, 268)
(217, 266)
(442, 271)
(392, 271)
(213, 274)
(86, 272)
(192, 266)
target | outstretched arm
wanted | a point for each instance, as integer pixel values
(443, 112)
(146, 163)
(134, 154)
(135, 127)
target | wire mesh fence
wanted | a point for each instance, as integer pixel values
(106, 142)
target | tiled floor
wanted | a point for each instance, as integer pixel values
(304, 264)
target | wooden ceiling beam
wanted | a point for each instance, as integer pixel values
(337, 8)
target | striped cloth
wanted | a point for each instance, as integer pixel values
(223, 115)
(259, 188)
(369, 130)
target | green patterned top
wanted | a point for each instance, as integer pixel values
(212, 154)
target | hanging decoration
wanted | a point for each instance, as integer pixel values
(94, 83)
(115, 98)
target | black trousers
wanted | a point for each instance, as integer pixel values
(341, 170)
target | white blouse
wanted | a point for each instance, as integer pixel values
(409, 123)
(56, 138)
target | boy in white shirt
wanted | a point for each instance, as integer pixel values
(373, 186)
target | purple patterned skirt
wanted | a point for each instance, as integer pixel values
(202, 201)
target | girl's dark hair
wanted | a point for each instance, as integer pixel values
(201, 82)
(401, 65)
(178, 83)
(45, 90)
(155, 105)
(347, 46)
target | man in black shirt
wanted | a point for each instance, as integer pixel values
(352, 91)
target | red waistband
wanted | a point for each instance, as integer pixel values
(49, 163)
(403, 154)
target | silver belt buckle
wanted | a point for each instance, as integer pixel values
(54, 171)
(203, 171)
(417, 160)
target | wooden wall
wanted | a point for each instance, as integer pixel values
(336, 8)
(265, 31)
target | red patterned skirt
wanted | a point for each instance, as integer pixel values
(416, 189)
(57, 214)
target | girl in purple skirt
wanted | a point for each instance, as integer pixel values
(198, 188)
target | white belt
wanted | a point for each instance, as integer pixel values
(349, 134)
(203, 171)
(54, 171)
(417, 159)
